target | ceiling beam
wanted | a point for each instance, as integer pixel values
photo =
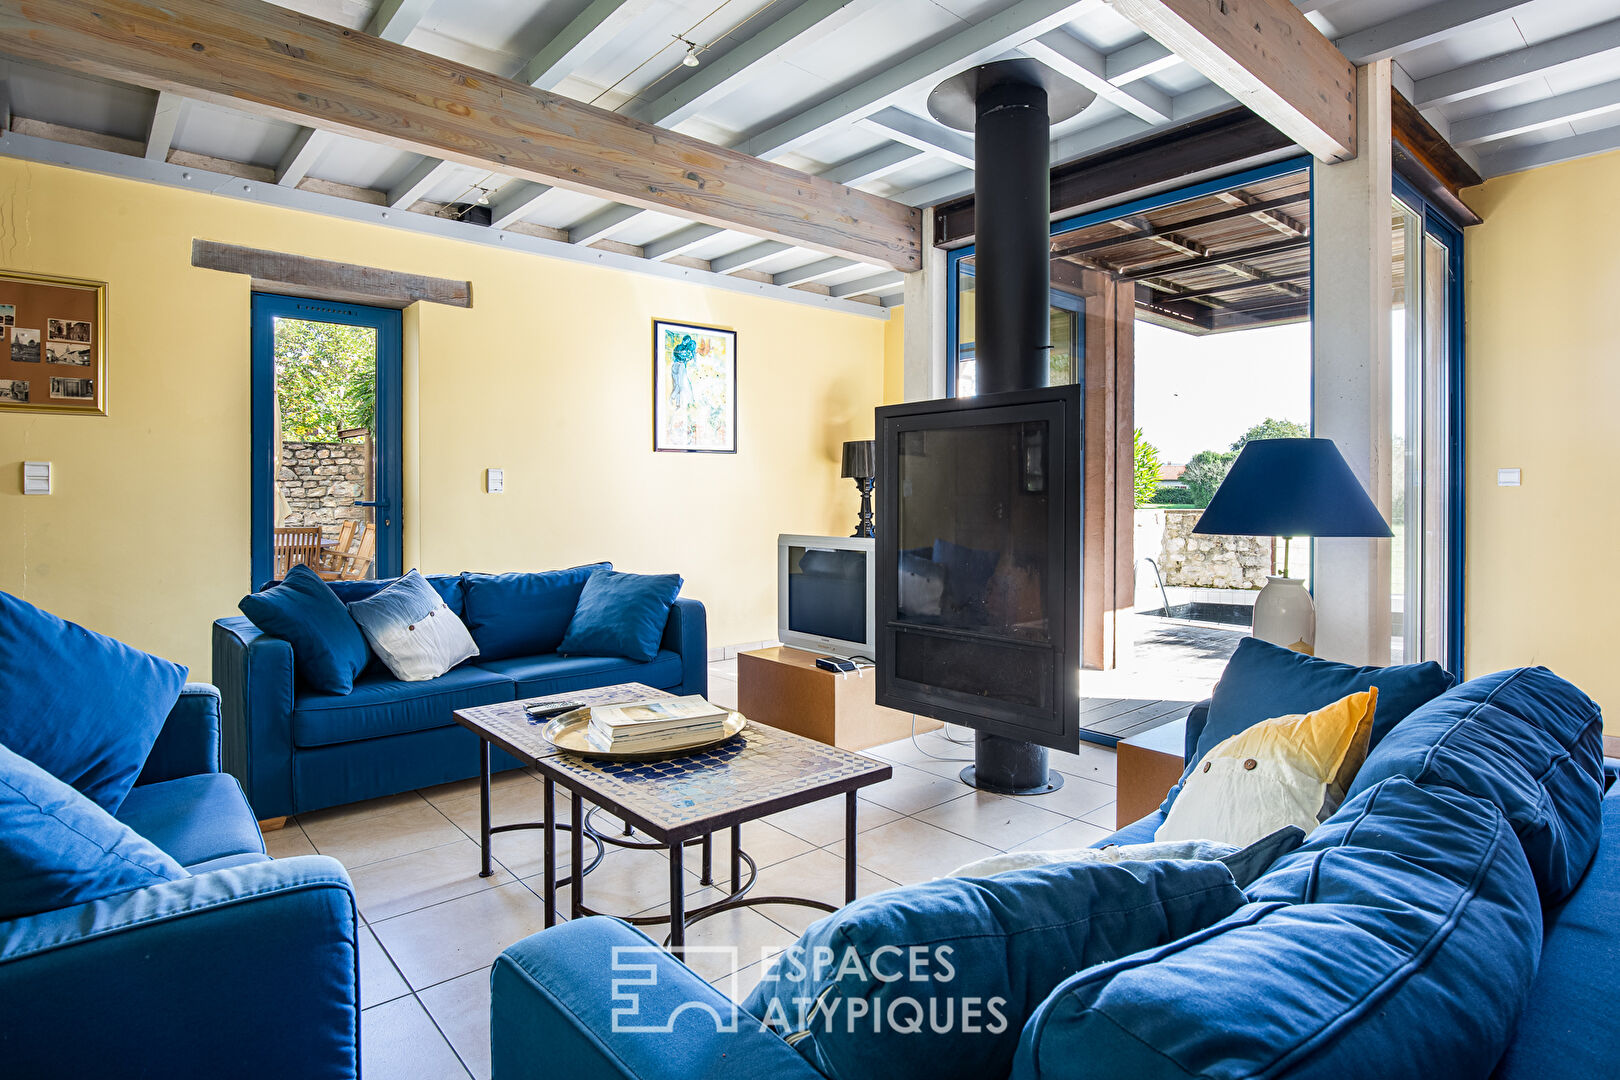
(1269, 57)
(1222, 258)
(1569, 148)
(602, 224)
(1425, 26)
(679, 242)
(752, 255)
(1078, 62)
(586, 33)
(811, 271)
(1254, 209)
(986, 39)
(306, 149)
(873, 164)
(1506, 69)
(877, 284)
(1135, 62)
(514, 201)
(395, 19)
(418, 182)
(1563, 109)
(160, 129)
(269, 61)
(722, 72)
(931, 138)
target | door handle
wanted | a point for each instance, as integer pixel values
(380, 503)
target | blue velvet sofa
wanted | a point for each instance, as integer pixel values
(1499, 811)
(247, 968)
(296, 750)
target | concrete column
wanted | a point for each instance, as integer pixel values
(1352, 290)
(925, 322)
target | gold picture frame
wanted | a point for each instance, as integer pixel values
(53, 344)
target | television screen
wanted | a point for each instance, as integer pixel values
(827, 592)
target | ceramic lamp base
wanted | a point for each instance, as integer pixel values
(1285, 614)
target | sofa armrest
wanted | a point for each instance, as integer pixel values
(687, 632)
(596, 997)
(249, 971)
(254, 673)
(188, 744)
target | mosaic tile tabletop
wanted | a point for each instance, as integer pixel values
(507, 720)
(755, 768)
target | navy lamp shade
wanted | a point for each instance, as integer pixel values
(1291, 487)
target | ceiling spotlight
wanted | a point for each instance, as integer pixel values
(691, 57)
(483, 197)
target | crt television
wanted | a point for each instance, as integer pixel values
(825, 589)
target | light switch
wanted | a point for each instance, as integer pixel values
(494, 481)
(1507, 478)
(36, 478)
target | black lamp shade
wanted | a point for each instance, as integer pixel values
(1290, 487)
(860, 459)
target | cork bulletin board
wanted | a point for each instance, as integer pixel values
(53, 344)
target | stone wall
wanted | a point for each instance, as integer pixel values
(319, 483)
(1219, 562)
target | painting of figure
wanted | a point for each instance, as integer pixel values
(694, 388)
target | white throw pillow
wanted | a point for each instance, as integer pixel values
(412, 629)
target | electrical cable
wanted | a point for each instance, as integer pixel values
(683, 38)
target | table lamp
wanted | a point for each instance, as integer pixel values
(860, 464)
(1288, 488)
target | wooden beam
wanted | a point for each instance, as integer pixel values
(269, 61)
(1269, 57)
(1430, 163)
(329, 280)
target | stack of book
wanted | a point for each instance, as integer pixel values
(651, 726)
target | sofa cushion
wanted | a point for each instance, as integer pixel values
(382, 705)
(1400, 940)
(537, 676)
(621, 615)
(58, 848)
(1263, 680)
(195, 818)
(1530, 743)
(412, 630)
(523, 614)
(85, 708)
(968, 959)
(448, 586)
(1568, 1031)
(328, 648)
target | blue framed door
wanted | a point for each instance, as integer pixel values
(314, 403)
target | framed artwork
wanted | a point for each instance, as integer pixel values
(53, 344)
(694, 388)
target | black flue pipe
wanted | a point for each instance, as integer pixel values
(1013, 269)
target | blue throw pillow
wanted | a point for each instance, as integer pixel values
(82, 706)
(1526, 741)
(1399, 940)
(962, 962)
(523, 614)
(328, 648)
(57, 848)
(1263, 681)
(621, 615)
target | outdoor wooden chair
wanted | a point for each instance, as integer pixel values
(358, 564)
(335, 557)
(294, 545)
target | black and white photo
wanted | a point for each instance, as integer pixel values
(73, 389)
(24, 346)
(14, 390)
(8, 315)
(76, 330)
(61, 352)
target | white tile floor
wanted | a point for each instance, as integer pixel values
(433, 926)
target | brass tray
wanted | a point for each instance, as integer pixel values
(567, 733)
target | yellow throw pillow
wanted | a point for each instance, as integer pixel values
(1292, 770)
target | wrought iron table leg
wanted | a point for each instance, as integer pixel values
(483, 805)
(550, 847)
(849, 847)
(708, 860)
(576, 855)
(677, 900)
(736, 858)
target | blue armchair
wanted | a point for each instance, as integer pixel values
(248, 968)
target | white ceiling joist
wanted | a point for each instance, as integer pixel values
(1543, 58)
(602, 224)
(306, 149)
(514, 201)
(679, 242)
(1425, 26)
(395, 19)
(873, 164)
(1563, 109)
(877, 284)
(922, 134)
(1136, 62)
(1078, 62)
(752, 255)
(160, 130)
(1552, 153)
(811, 271)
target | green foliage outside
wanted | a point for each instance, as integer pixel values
(1147, 470)
(1272, 429)
(1204, 474)
(326, 378)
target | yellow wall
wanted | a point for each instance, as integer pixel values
(894, 356)
(1543, 395)
(548, 376)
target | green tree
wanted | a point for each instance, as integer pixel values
(1204, 474)
(1147, 470)
(325, 378)
(1272, 429)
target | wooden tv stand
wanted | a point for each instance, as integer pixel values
(783, 687)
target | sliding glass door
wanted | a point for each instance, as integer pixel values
(1425, 428)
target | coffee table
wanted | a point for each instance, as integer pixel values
(674, 801)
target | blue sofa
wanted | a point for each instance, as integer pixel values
(247, 968)
(1497, 789)
(296, 750)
